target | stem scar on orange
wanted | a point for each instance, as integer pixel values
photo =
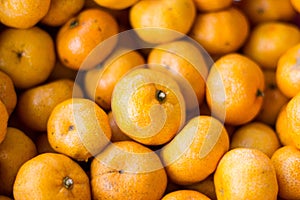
(72, 43)
(148, 106)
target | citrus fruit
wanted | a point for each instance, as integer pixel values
(287, 73)
(269, 40)
(185, 194)
(245, 173)
(274, 99)
(23, 14)
(195, 151)
(259, 11)
(286, 161)
(8, 94)
(71, 43)
(212, 5)
(115, 4)
(256, 135)
(157, 16)
(3, 121)
(127, 170)
(27, 55)
(281, 127)
(60, 11)
(186, 61)
(51, 176)
(235, 86)
(226, 34)
(15, 150)
(100, 83)
(36, 104)
(79, 128)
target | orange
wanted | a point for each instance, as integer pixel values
(79, 128)
(100, 83)
(212, 5)
(293, 119)
(115, 4)
(268, 10)
(205, 187)
(256, 135)
(287, 165)
(51, 176)
(186, 61)
(15, 150)
(281, 127)
(36, 104)
(185, 194)
(161, 16)
(195, 151)
(61, 11)
(245, 173)
(235, 86)
(116, 133)
(269, 40)
(27, 55)
(72, 45)
(3, 121)
(148, 106)
(221, 32)
(42, 144)
(8, 94)
(287, 73)
(4, 198)
(127, 170)
(296, 5)
(23, 14)
(274, 99)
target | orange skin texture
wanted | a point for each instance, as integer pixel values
(79, 128)
(8, 94)
(127, 170)
(27, 56)
(212, 5)
(61, 11)
(269, 40)
(72, 44)
(274, 99)
(281, 127)
(239, 81)
(259, 11)
(11, 159)
(23, 14)
(140, 114)
(36, 104)
(256, 135)
(217, 31)
(51, 168)
(293, 119)
(3, 121)
(185, 61)
(288, 73)
(162, 15)
(100, 83)
(287, 161)
(245, 173)
(185, 194)
(195, 151)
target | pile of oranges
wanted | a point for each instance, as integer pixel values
(149, 99)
